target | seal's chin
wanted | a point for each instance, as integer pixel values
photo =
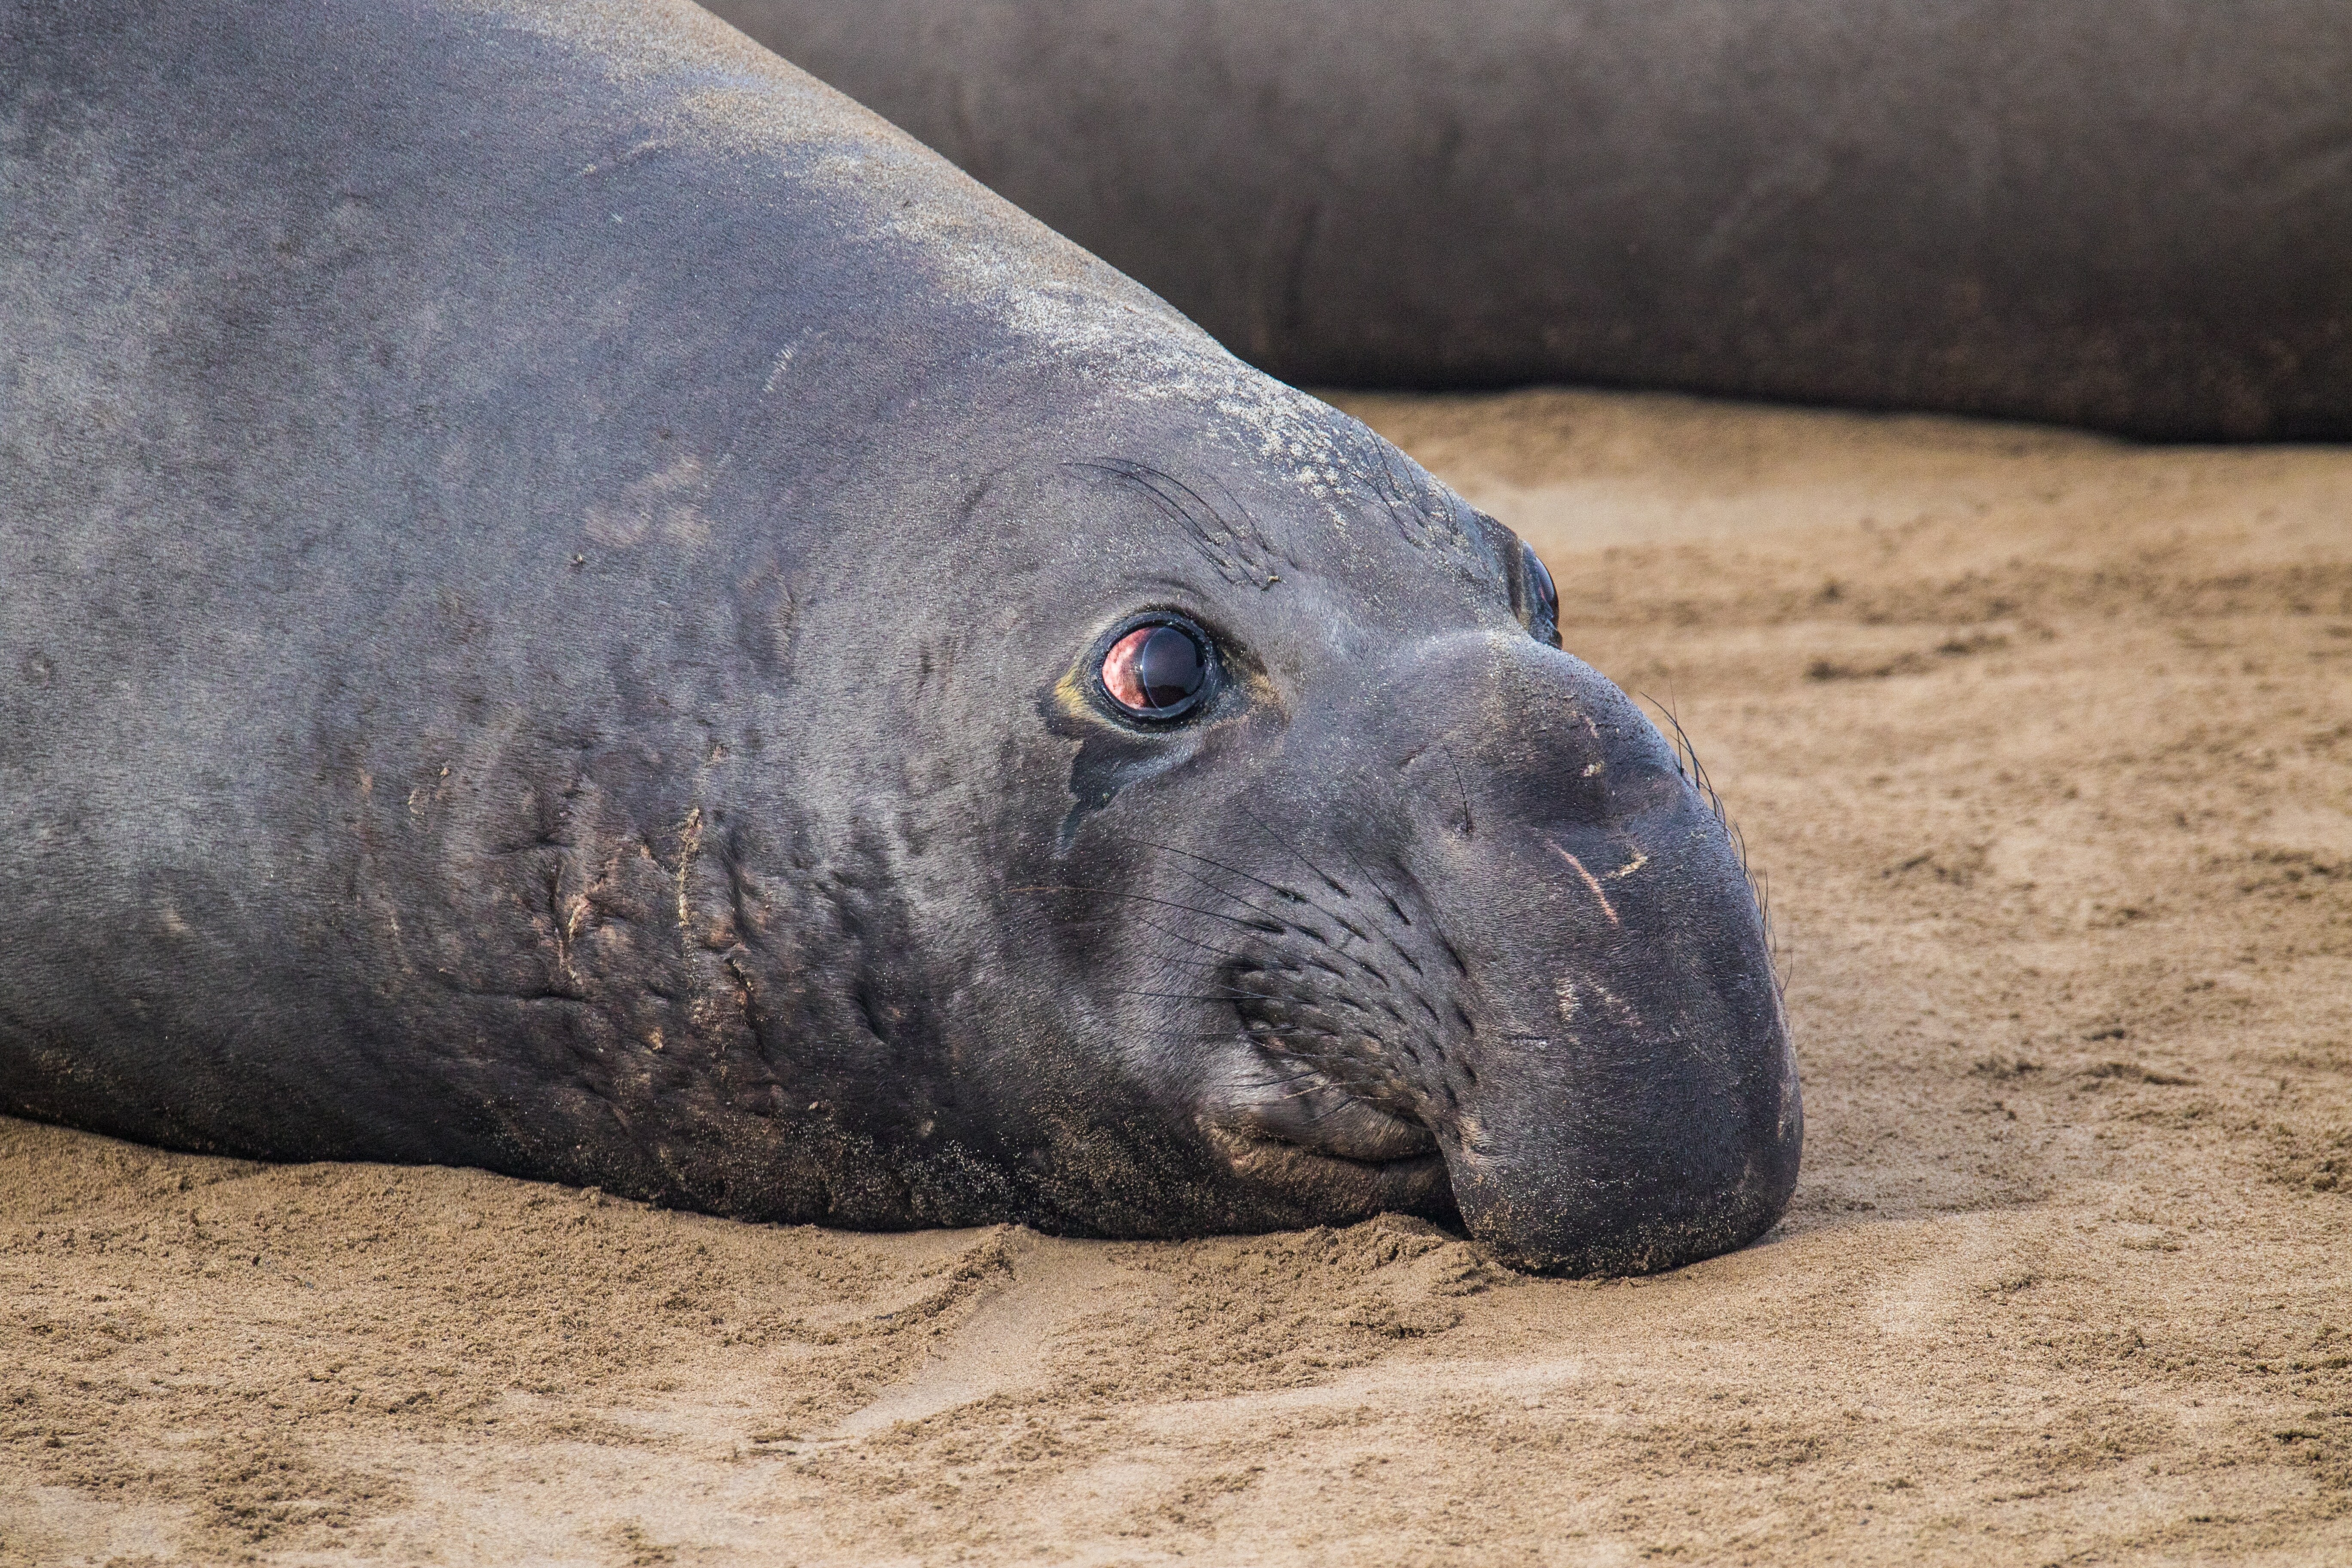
(1324, 1119)
(1337, 1189)
(1299, 1133)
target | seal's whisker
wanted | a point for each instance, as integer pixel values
(1387, 893)
(1216, 962)
(1289, 1069)
(1139, 898)
(1220, 865)
(1218, 958)
(1223, 892)
(1190, 997)
(1762, 882)
(1293, 851)
(1686, 759)
(1381, 888)
(1294, 1069)
(1348, 1098)
(1182, 938)
(1325, 911)
(1688, 763)
(1232, 1036)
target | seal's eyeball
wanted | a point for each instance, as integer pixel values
(1157, 671)
(1544, 622)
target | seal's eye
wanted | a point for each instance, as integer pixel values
(1157, 671)
(1545, 620)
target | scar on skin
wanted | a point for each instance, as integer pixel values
(1589, 881)
(690, 833)
(1640, 859)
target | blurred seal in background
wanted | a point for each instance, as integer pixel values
(2132, 215)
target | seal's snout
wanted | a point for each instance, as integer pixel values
(1635, 1104)
(1564, 992)
(1621, 1095)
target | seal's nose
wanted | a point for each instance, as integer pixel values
(1635, 1104)
(1624, 1097)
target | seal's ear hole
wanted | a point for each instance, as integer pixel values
(1157, 671)
(1543, 597)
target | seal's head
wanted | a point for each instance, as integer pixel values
(1316, 880)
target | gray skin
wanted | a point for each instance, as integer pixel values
(555, 575)
(2135, 215)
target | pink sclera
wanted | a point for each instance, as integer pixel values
(1122, 676)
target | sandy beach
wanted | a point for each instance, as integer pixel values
(2042, 744)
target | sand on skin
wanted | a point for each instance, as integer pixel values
(2044, 745)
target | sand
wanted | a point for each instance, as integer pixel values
(2045, 746)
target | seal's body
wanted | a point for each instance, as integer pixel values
(2129, 214)
(575, 604)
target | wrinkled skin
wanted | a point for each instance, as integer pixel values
(555, 575)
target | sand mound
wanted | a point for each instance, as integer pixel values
(2045, 746)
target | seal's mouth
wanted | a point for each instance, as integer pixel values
(1338, 1184)
(1314, 1095)
(1309, 1109)
(1296, 1127)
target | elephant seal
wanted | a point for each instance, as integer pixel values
(2134, 214)
(578, 605)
